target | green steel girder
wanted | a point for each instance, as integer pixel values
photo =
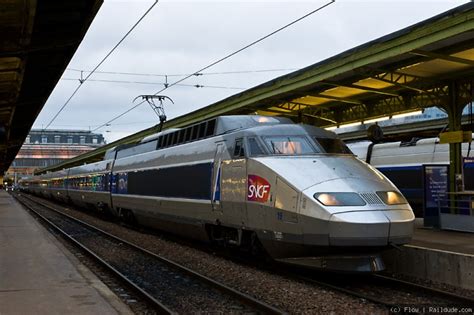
(383, 107)
(293, 106)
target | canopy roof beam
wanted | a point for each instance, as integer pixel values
(361, 87)
(334, 98)
(395, 79)
(434, 55)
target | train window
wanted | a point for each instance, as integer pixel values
(239, 148)
(202, 130)
(333, 145)
(254, 147)
(160, 143)
(291, 145)
(195, 132)
(174, 137)
(189, 131)
(181, 136)
(211, 124)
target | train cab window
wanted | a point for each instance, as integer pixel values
(291, 145)
(239, 148)
(333, 145)
(254, 147)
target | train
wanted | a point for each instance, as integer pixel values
(263, 184)
(402, 163)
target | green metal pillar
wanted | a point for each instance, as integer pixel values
(454, 110)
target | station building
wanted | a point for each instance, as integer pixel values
(43, 148)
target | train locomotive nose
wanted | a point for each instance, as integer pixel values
(365, 220)
(359, 228)
(371, 228)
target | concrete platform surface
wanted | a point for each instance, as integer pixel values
(39, 276)
(452, 241)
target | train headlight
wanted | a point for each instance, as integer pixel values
(392, 197)
(340, 199)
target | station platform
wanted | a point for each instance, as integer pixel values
(440, 256)
(452, 241)
(39, 276)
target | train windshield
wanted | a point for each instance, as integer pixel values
(333, 145)
(289, 145)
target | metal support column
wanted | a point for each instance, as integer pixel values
(454, 110)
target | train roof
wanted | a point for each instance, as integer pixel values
(210, 128)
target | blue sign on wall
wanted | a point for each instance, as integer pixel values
(468, 171)
(436, 187)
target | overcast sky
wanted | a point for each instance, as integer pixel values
(180, 37)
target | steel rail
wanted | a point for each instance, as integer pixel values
(162, 309)
(346, 291)
(441, 293)
(242, 297)
(462, 300)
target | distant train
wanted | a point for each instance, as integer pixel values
(256, 182)
(402, 163)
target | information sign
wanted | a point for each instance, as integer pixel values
(436, 186)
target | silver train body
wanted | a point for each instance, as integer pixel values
(248, 181)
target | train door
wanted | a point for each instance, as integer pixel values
(216, 178)
(234, 192)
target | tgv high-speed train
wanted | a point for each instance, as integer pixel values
(402, 163)
(250, 181)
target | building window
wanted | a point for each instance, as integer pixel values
(57, 139)
(28, 139)
(69, 140)
(82, 139)
(44, 139)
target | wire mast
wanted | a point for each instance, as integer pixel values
(157, 108)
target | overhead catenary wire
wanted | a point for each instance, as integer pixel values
(119, 124)
(185, 74)
(222, 59)
(100, 63)
(157, 83)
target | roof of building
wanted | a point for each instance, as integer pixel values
(38, 39)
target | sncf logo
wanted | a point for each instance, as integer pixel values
(258, 189)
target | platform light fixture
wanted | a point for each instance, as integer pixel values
(369, 121)
(417, 112)
(357, 123)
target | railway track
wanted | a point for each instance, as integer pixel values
(169, 287)
(393, 294)
(396, 295)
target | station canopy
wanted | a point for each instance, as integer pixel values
(402, 72)
(37, 41)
